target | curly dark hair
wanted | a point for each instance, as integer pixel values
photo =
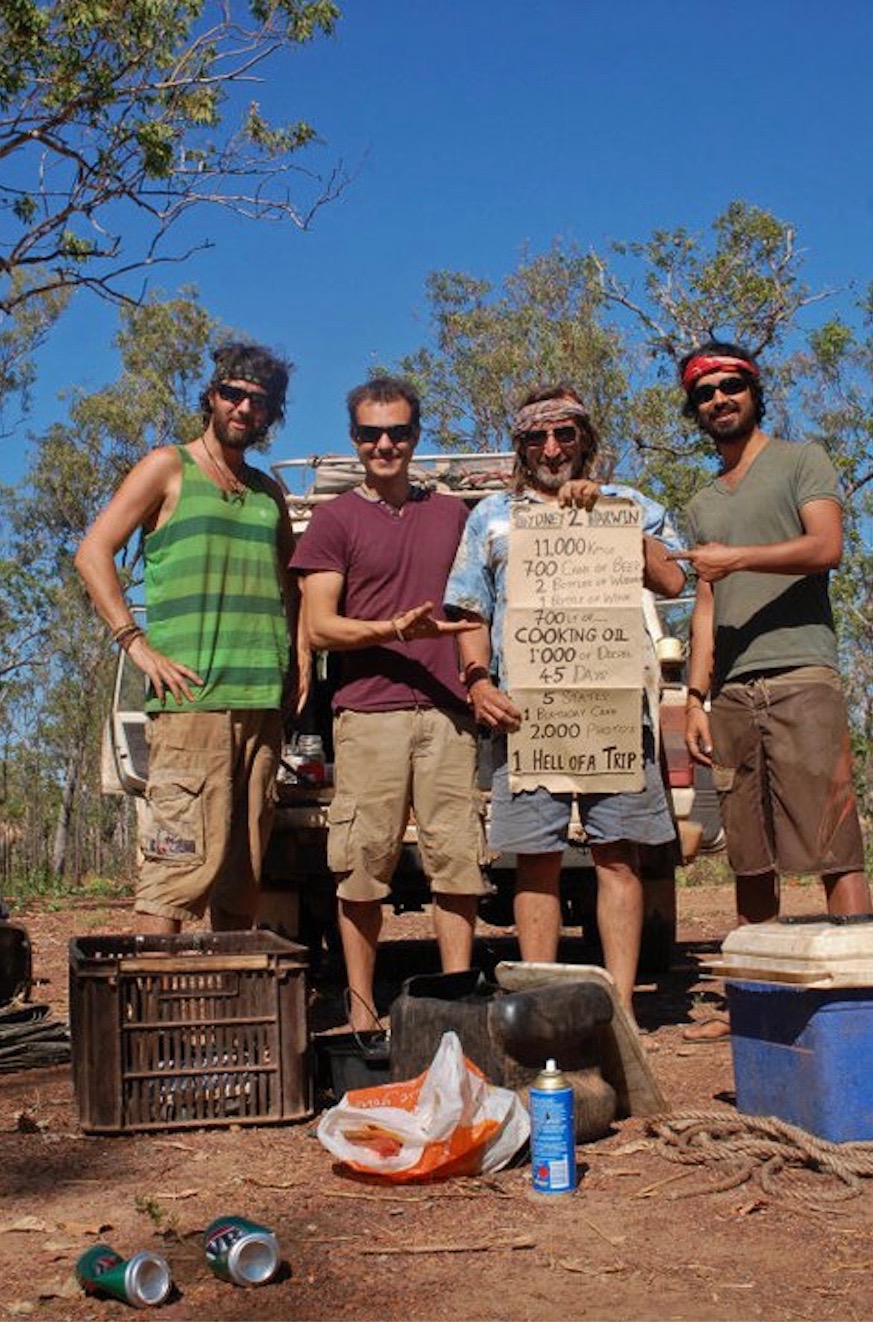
(239, 361)
(724, 349)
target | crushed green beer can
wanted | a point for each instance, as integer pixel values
(143, 1280)
(241, 1251)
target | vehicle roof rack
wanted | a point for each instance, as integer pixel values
(318, 478)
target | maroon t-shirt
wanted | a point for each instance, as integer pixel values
(390, 562)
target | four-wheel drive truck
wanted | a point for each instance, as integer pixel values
(298, 897)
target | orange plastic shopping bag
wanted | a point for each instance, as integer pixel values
(448, 1121)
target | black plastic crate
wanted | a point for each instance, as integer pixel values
(189, 1030)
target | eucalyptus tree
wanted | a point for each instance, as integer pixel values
(489, 345)
(119, 119)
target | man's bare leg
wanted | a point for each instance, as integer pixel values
(454, 922)
(538, 906)
(757, 898)
(360, 922)
(847, 892)
(151, 924)
(620, 915)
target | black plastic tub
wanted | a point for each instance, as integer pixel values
(346, 1061)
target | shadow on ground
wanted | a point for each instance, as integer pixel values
(663, 998)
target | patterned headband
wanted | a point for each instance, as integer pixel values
(548, 411)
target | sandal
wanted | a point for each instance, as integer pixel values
(373, 1043)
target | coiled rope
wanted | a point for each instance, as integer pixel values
(758, 1149)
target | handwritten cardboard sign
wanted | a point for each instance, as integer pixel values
(573, 641)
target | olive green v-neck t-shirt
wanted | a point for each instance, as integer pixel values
(766, 621)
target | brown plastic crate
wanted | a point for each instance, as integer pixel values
(190, 1030)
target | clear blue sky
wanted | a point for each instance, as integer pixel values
(481, 129)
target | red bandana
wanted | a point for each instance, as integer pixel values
(701, 365)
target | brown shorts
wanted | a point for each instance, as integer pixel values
(387, 763)
(782, 766)
(208, 813)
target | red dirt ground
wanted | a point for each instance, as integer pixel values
(643, 1237)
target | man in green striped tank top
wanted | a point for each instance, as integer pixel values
(221, 610)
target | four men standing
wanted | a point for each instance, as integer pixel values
(376, 565)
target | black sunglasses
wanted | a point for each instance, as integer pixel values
(535, 440)
(399, 434)
(731, 385)
(236, 395)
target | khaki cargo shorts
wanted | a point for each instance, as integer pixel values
(782, 766)
(208, 812)
(387, 763)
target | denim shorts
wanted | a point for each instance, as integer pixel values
(536, 821)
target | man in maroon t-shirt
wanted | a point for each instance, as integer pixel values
(374, 564)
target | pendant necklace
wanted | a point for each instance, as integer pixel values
(232, 487)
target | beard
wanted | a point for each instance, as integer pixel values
(232, 438)
(548, 477)
(731, 423)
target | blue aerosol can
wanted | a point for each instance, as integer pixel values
(552, 1132)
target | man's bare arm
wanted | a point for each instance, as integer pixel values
(300, 678)
(328, 629)
(698, 739)
(148, 488)
(817, 549)
(660, 573)
(490, 705)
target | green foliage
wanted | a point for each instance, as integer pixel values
(276, 139)
(48, 890)
(21, 334)
(163, 1221)
(707, 870)
(490, 346)
(742, 283)
(118, 117)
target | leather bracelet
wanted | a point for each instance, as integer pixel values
(473, 673)
(696, 693)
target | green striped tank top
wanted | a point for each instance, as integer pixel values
(213, 596)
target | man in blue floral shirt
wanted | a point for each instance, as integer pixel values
(555, 444)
